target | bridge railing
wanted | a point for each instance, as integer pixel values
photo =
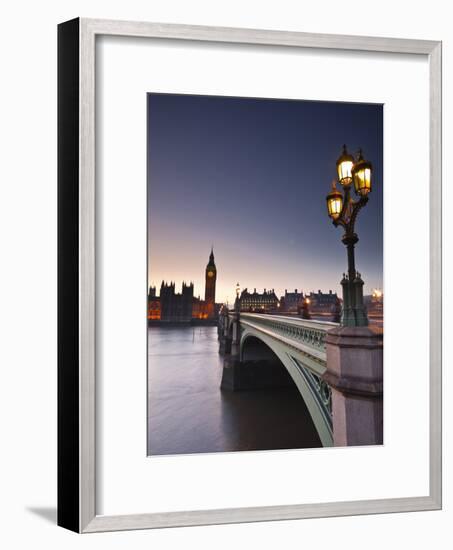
(304, 331)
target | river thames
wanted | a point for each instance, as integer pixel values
(189, 413)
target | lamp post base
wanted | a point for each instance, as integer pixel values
(353, 313)
(354, 318)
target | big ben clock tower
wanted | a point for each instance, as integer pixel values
(210, 279)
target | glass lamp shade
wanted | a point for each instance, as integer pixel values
(334, 203)
(345, 164)
(361, 174)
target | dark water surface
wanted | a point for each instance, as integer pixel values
(189, 413)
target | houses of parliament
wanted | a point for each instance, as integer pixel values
(174, 307)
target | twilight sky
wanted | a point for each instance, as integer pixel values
(250, 176)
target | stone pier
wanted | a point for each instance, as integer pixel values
(355, 375)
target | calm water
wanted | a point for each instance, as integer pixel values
(188, 413)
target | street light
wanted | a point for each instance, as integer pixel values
(305, 309)
(343, 210)
(361, 174)
(334, 202)
(344, 167)
(237, 302)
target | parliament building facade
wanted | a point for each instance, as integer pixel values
(183, 307)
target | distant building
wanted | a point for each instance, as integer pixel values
(320, 302)
(375, 303)
(183, 307)
(153, 304)
(200, 309)
(260, 303)
(176, 307)
(210, 283)
(292, 302)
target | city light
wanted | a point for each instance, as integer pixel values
(344, 167)
(334, 202)
(361, 173)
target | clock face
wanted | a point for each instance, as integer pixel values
(210, 273)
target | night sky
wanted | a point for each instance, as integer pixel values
(250, 176)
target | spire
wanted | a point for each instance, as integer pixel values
(211, 263)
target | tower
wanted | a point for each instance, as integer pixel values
(210, 280)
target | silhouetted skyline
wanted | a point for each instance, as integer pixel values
(250, 176)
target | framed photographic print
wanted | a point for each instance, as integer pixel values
(248, 328)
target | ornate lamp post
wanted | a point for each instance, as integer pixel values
(343, 210)
(237, 301)
(305, 309)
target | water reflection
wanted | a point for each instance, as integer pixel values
(188, 413)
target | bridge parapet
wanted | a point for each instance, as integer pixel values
(307, 336)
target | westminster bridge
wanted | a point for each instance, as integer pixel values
(337, 370)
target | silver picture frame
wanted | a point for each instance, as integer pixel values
(77, 256)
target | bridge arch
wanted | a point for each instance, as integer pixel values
(261, 367)
(255, 345)
(255, 349)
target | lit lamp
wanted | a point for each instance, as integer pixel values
(343, 210)
(334, 202)
(237, 305)
(305, 309)
(361, 173)
(344, 167)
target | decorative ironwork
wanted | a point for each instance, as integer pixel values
(320, 390)
(310, 333)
